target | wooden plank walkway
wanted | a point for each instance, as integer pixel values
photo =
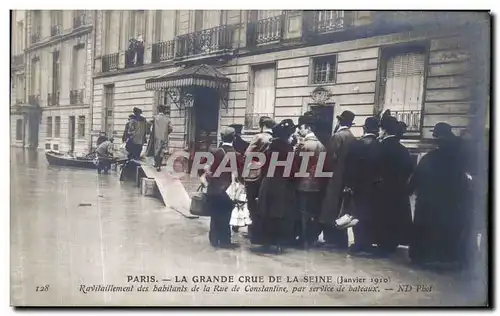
(172, 191)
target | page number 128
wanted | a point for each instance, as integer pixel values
(44, 288)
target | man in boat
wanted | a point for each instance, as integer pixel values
(101, 139)
(136, 134)
(104, 156)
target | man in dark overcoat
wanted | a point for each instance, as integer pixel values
(442, 212)
(393, 215)
(362, 179)
(337, 150)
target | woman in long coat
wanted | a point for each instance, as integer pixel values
(276, 202)
(393, 220)
(442, 214)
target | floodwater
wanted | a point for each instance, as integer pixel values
(72, 228)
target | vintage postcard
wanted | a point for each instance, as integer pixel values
(249, 158)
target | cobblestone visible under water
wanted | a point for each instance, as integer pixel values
(59, 244)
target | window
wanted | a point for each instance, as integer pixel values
(47, 146)
(56, 22)
(19, 129)
(403, 84)
(137, 24)
(324, 69)
(20, 89)
(57, 129)
(36, 26)
(55, 146)
(56, 81)
(81, 126)
(19, 38)
(107, 120)
(262, 95)
(113, 32)
(35, 76)
(49, 126)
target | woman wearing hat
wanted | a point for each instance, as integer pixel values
(392, 220)
(275, 205)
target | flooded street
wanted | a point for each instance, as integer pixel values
(71, 227)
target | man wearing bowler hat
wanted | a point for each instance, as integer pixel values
(337, 149)
(136, 134)
(361, 180)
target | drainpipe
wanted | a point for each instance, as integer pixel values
(91, 99)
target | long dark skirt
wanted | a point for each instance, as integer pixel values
(276, 211)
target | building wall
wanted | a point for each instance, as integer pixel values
(65, 47)
(356, 87)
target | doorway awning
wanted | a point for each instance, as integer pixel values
(198, 76)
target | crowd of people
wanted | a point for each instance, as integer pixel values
(373, 179)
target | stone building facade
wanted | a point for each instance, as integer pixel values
(58, 63)
(87, 70)
(282, 64)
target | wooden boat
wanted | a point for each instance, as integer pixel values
(58, 159)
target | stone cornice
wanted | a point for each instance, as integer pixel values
(75, 32)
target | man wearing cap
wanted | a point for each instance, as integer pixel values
(260, 143)
(442, 217)
(219, 202)
(310, 189)
(337, 149)
(104, 155)
(392, 220)
(136, 134)
(361, 179)
(239, 144)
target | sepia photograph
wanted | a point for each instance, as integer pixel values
(289, 158)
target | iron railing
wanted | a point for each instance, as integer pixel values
(79, 21)
(76, 96)
(329, 20)
(19, 101)
(55, 30)
(266, 31)
(163, 51)
(17, 60)
(252, 119)
(110, 62)
(53, 98)
(410, 117)
(210, 41)
(34, 100)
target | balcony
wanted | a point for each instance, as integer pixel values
(252, 119)
(19, 101)
(76, 97)
(217, 40)
(326, 21)
(17, 60)
(53, 98)
(266, 31)
(411, 118)
(34, 100)
(134, 55)
(163, 51)
(110, 62)
(55, 30)
(79, 21)
(35, 37)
